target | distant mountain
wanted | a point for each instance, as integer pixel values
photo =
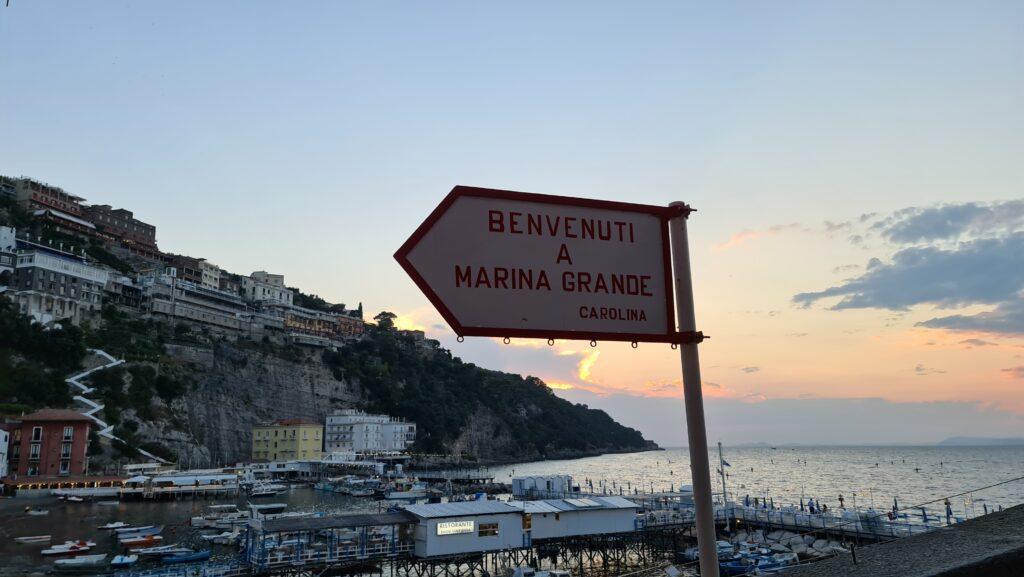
(981, 442)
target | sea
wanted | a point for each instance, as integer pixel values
(865, 476)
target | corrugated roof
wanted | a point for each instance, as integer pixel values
(436, 510)
(287, 525)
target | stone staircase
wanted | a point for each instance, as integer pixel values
(93, 409)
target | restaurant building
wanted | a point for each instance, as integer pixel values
(49, 443)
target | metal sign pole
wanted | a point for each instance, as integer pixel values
(700, 469)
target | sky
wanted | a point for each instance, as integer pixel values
(858, 250)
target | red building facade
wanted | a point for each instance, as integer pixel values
(49, 443)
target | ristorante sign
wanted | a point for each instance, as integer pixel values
(514, 264)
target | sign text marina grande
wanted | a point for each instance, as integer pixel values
(512, 264)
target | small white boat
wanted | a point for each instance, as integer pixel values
(37, 511)
(81, 561)
(114, 525)
(108, 503)
(69, 548)
(74, 499)
(33, 539)
(124, 560)
(264, 489)
(225, 538)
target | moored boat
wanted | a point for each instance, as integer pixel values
(69, 548)
(141, 541)
(124, 561)
(265, 489)
(161, 551)
(33, 539)
(187, 557)
(80, 562)
(114, 525)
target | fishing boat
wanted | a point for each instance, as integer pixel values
(265, 489)
(114, 525)
(161, 551)
(33, 539)
(80, 562)
(141, 541)
(123, 561)
(69, 548)
(187, 557)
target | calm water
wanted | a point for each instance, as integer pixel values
(913, 474)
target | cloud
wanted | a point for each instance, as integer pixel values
(750, 370)
(796, 335)
(984, 271)
(922, 370)
(586, 364)
(952, 221)
(1014, 372)
(1007, 318)
(745, 236)
(978, 343)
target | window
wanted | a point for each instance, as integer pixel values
(33, 451)
(69, 433)
(65, 467)
(527, 521)
(65, 450)
(488, 530)
(37, 434)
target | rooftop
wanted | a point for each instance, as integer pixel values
(292, 422)
(287, 525)
(562, 505)
(56, 415)
(439, 510)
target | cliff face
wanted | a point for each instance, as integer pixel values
(236, 388)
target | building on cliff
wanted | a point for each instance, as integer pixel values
(288, 440)
(350, 430)
(52, 284)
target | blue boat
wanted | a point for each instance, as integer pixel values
(187, 557)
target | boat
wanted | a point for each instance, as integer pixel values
(123, 561)
(225, 538)
(402, 490)
(129, 529)
(69, 548)
(161, 551)
(33, 539)
(80, 562)
(362, 492)
(187, 557)
(108, 503)
(265, 489)
(37, 511)
(218, 515)
(141, 541)
(128, 532)
(74, 499)
(114, 525)
(257, 511)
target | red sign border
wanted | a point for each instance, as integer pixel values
(663, 212)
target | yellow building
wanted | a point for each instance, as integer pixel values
(288, 440)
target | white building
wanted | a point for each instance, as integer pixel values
(468, 527)
(262, 286)
(210, 274)
(350, 430)
(52, 285)
(8, 244)
(4, 439)
(543, 487)
(557, 518)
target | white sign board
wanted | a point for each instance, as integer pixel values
(501, 263)
(455, 527)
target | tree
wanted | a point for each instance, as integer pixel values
(386, 320)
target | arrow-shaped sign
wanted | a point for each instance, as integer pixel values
(514, 264)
